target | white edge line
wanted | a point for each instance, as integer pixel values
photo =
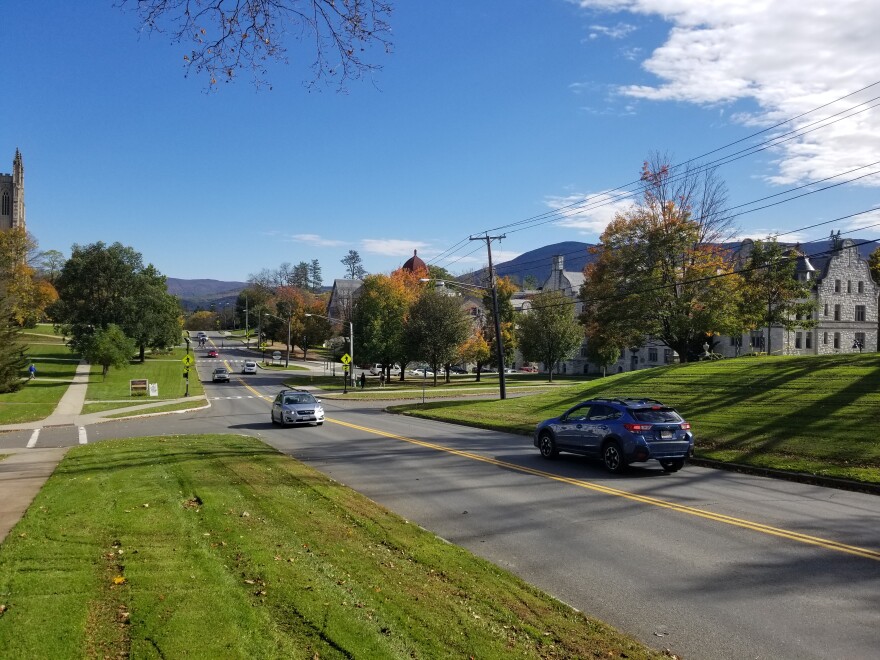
(33, 441)
(83, 439)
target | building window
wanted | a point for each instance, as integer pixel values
(849, 286)
(6, 210)
(836, 286)
(860, 341)
(825, 338)
(860, 312)
(837, 312)
(756, 340)
(861, 287)
(797, 339)
(652, 354)
(809, 340)
(836, 340)
(826, 309)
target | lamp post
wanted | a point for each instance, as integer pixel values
(287, 360)
(499, 342)
(350, 348)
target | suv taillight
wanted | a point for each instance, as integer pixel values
(685, 426)
(637, 428)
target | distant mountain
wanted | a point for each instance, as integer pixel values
(201, 294)
(539, 262)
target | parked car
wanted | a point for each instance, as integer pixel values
(296, 407)
(529, 369)
(213, 353)
(220, 374)
(619, 432)
(375, 369)
(422, 372)
(457, 370)
(249, 367)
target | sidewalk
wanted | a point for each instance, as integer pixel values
(23, 473)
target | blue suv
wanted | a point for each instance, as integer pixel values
(619, 431)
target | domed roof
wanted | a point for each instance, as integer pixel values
(415, 265)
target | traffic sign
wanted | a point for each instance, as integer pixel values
(345, 368)
(188, 359)
(346, 359)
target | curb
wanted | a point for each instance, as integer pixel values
(786, 475)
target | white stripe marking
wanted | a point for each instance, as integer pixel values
(82, 435)
(33, 441)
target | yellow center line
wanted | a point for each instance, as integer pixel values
(643, 499)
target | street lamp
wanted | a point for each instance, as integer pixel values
(287, 360)
(350, 348)
(499, 341)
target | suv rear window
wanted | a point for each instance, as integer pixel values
(655, 415)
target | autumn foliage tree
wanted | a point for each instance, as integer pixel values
(28, 293)
(660, 271)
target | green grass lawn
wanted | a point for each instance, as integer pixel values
(38, 398)
(220, 547)
(168, 373)
(816, 414)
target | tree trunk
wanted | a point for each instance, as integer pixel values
(143, 348)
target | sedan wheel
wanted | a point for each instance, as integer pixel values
(673, 465)
(546, 446)
(613, 458)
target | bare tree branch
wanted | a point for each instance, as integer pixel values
(224, 37)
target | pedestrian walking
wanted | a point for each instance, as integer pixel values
(381, 379)
(32, 370)
(363, 380)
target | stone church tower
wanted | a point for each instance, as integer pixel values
(12, 196)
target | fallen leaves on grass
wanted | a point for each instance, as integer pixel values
(119, 579)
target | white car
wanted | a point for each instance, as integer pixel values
(376, 369)
(249, 367)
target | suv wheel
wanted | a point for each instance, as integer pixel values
(672, 465)
(613, 457)
(546, 445)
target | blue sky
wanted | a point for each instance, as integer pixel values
(484, 114)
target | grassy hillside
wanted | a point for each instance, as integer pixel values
(817, 414)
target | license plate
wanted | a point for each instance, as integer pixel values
(665, 434)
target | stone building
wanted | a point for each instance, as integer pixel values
(12, 196)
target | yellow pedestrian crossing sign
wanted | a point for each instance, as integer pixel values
(345, 358)
(188, 360)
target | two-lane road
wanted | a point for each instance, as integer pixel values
(706, 563)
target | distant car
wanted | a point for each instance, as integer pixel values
(249, 367)
(457, 370)
(619, 432)
(213, 353)
(220, 374)
(296, 407)
(376, 369)
(422, 372)
(529, 369)
(201, 333)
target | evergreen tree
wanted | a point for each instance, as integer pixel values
(354, 265)
(12, 356)
(316, 281)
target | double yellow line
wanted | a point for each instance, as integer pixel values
(642, 499)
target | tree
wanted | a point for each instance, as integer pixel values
(223, 37)
(316, 329)
(505, 289)
(658, 271)
(27, 295)
(475, 349)
(380, 316)
(772, 293)
(549, 331)
(102, 285)
(530, 282)
(436, 328)
(439, 273)
(109, 347)
(874, 264)
(12, 356)
(202, 320)
(354, 266)
(50, 263)
(316, 281)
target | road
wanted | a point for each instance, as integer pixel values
(709, 564)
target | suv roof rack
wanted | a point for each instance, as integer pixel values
(628, 400)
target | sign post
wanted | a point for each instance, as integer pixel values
(346, 365)
(188, 361)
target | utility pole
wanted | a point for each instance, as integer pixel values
(499, 341)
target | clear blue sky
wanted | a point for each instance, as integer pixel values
(486, 113)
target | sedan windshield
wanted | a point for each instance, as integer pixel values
(294, 399)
